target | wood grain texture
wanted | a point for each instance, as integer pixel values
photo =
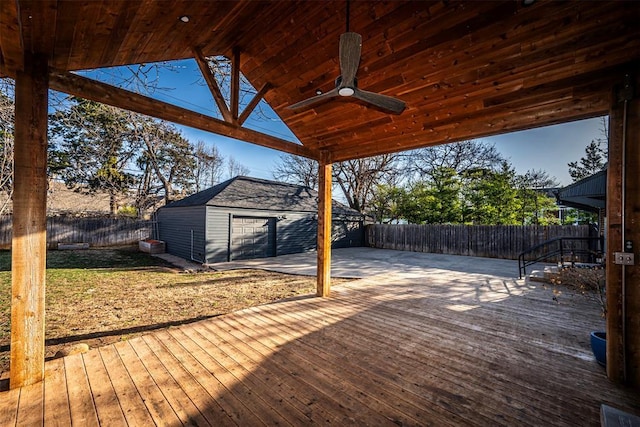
(29, 241)
(324, 226)
(466, 69)
(56, 395)
(208, 76)
(437, 348)
(623, 296)
(111, 95)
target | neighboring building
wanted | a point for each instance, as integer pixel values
(245, 218)
(589, 194)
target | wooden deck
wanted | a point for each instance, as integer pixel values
(440, 349)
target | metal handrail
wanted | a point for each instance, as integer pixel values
(560, 250)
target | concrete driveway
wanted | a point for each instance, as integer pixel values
(366, 262)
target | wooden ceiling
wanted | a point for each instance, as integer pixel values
(465, 69)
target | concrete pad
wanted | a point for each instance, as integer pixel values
(181, 263)
(366, 262)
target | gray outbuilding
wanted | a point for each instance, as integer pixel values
(245, 218)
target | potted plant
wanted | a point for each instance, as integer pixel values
(589, 282)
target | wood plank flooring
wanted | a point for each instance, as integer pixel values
(440, 348)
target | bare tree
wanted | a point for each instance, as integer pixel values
(234, 168)
(461, 157)
(220, 67)
(208, 167)
(297, 170)
(166, 158)
(6, 142)
(358, 179)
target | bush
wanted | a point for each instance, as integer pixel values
(587, 281)
(129, 211)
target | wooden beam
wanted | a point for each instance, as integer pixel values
(114, 96)
(29, 242)
(623, 281)
(253, 103)
(209, 77)
(235, 83)
(324, 226)
(11, 41)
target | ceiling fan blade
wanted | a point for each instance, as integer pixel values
(350, 47)
(384, 102)
(314, 100)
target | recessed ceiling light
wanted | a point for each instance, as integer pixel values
(184, 18)
(528, 2)
(318, 92)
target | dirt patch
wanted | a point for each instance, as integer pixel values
(136, 294)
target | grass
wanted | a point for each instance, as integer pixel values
(100, 296)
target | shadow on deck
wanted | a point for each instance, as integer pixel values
(443, 348)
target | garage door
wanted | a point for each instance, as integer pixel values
(252, 237)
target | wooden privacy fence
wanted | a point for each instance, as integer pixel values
(95, 231)
(491, 241)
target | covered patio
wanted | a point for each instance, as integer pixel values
(460, 70)
(428, 347)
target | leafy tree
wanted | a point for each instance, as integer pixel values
(387, 203)
(535, 206)
(435, 202)
(595, 157)
(94, 148)
(573, 216)
(489, 196)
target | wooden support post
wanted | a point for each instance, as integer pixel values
(324, 225)
(29, 244)
(235, 84)
(623, 282)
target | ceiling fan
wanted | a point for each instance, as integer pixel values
(347, 83)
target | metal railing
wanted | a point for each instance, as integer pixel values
(562, 250)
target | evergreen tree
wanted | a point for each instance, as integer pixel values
(93, 148)
(490, 196)
(595, 157)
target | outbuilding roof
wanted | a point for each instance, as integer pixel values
(253, 193)
(589, 193)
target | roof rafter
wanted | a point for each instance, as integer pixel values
(83, 87)
(209, 77)
(253, 103)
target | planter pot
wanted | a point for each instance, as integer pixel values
(151, 246)
(599, 347)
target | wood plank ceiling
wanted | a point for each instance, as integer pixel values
(465, 69)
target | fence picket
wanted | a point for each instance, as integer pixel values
(95, 231)
(491, 241)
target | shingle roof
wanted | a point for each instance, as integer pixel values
(254, 193)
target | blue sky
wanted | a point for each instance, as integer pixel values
(549, 148)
